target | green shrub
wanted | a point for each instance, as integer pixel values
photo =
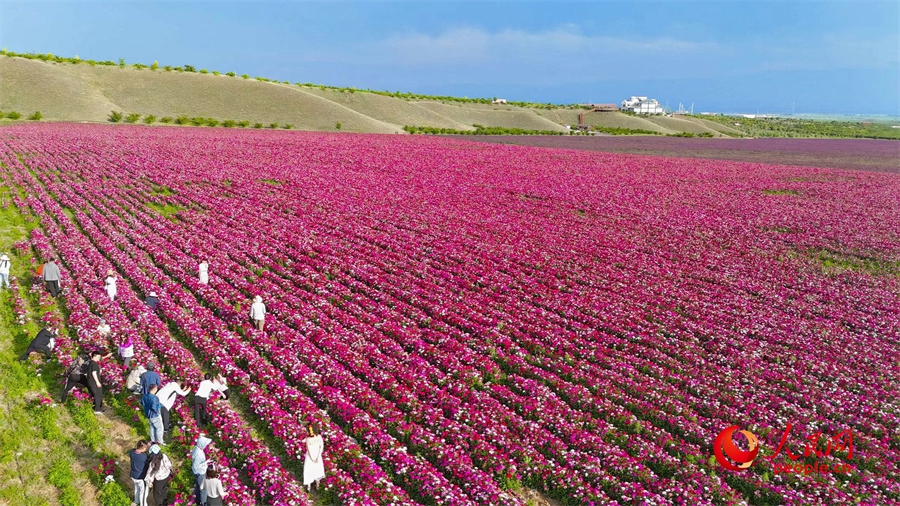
(182, 120)
(228, 123)
(179, 69)
(287, 126)
(273, 125)
(121, 63)
(230, 74)
(167, 68)
(165, 119)
(115, 117)
(155, 65)
(257, 125)
(13, 115)
(189, 68)
(243, 124)
(245, 76)
(112, 494)
(132, 118)
(216, 73)
(149, 119)
(338, 125)
(36, 116)
(139, 66)
(204, 71)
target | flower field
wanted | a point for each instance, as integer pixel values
(468, 320)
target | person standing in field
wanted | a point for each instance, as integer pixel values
(150, 377)
(93, 380)
(152, 408)
(159, 474)
(50, 274)
(110, 284)
(258, 313)
(313, 465)
(126, 351)
(214, 490)
(201, 398)
(167, 396)
(44, 342)
(138, 457)
(203, 272)
(4, 270)
(199, 466)
(152, 301)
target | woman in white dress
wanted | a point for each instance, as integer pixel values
(110, 285)
(313, 465)
(203, 272)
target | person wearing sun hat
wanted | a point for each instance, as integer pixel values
(258, 313)
(110, 284)
(4, 270)
(159, 474)
(152, 301)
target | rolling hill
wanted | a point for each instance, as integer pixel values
(65, 91)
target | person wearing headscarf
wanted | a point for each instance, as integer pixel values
(4, 270)
(110, 284)
(203, 272)
(199, 466)
(44, 342)
(50, 274)
(159, 474)
(152, 301)
(258, 313)
(313, 465)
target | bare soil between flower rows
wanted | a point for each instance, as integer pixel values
(853, 154)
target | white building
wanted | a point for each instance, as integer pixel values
(498, 101)
(642, 105)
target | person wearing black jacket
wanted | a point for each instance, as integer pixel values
(93, 381)
(43, 342)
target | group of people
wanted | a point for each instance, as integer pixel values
(150, 467)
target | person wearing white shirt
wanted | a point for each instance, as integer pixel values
(214, 490)
(203, 272)
(167, 396)
(104, 329)
(110, 285)
(201, 397)
(258, 313)
(4, 271)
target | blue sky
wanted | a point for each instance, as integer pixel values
(818, 57)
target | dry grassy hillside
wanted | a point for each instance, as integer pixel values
(683, 124)
(82, 92)
(605, 119)
(501, 116)
(392, 110)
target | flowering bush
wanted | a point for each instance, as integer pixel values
(464, 319)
